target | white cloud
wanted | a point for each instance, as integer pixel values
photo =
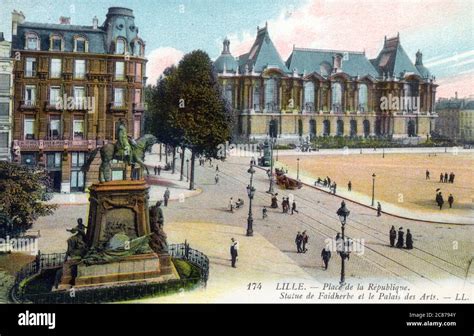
(159, 59)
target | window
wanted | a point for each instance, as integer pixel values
(4, 140)
(79, 96)
(363, 94)
(271, 94)
(138, 49)
(119, 70)
(228, 93)
(79, 69)
(29, 128)
(80, 44)
(53, 160)
(77, 159)
(55, 71)
(118, 97)
(30, 67)
(78, 128)
(336, 90)
(55, 127)
(256, 97)
(4, 111)
(120, 46)
(30, 95)
(309, 96)
(77, 175)
(137, 123)
(54, 95)
(138, 72)
(32, 41)
(56, 43)
(138, 96)
(4, 83)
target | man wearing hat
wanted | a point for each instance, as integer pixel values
(400, 240)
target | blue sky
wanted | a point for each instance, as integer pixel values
(442, 29)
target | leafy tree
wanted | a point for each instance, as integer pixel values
(200, 111)
(23, 191)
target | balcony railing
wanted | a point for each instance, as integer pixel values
(271, 107)
(79, 75)
(29, 104)
(48, 145)
(309, 107)
(30, 73)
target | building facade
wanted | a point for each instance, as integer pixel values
(455, 119)
(327, 92)
(73, 84)
(6, 95)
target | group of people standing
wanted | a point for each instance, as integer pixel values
(440, 200)
(327, 183)
(301, 241)
(445, 178)
(400, 238)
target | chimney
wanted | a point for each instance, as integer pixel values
(64, 20)
(337, 63)
(95, 22)
(17, 18)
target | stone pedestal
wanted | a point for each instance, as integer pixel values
(118, 207)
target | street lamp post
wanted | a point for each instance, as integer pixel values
(373, 188)
(343, 213)
(250, 193)
(298, 169)
(187, 170)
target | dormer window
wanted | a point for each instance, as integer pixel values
(80, 44)
(138, 49)
(56, 43)
(120, 46)
(32, 41)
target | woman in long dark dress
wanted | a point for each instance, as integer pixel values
(409, 240)
(400, 240)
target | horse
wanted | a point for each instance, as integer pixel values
(109, 152)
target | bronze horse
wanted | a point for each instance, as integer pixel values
(109, 152)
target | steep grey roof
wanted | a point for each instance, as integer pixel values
(393, 60)
(96, 37)
(263, 54)
(310, 60)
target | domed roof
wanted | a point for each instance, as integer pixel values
(225, 61)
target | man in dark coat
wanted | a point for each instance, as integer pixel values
(451, 200)
(441, 178)
(234, 247)
(446, 177)
(379, 209)
(393, 236)
(427, 174)
(298, 241)
(166, 196)
(293, 208)
(409, 240)
(349, 186)
(400, 240)
(326, 255)
(440, 200)
(304, 237)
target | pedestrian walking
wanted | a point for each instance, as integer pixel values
(427, 174)
(159, 170)
(216, 178)
(298, 241)
(326, 256)
(217, 168)
(446, 177)
(234, 252)
(156, 170)
(349, 186)
(409, 240)
(450, 200)
(231, 204)
(440, 200)
(293, 208)
(166, 196)
(274, 204)
(379, 209)
(305, 238)
(393, 236)
(400, 240)
(452, 179)
(334, 186)
(264, 212)
(441, 178)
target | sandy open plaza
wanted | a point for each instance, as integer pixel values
(400, 178)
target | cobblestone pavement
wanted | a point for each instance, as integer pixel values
(442, 253)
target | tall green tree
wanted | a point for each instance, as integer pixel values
(23, 191)
(200, 111)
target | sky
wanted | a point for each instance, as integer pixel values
(441, 29)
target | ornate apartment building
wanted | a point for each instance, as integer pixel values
(327, 92)
(6, 95)
(456, 119)
(72, 86)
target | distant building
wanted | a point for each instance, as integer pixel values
(326, 92)
(6, 94)
(72, 86)
(456, 119)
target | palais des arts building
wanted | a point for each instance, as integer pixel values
(326, 92)
(101, 67)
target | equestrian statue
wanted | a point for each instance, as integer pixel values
(126, 149)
